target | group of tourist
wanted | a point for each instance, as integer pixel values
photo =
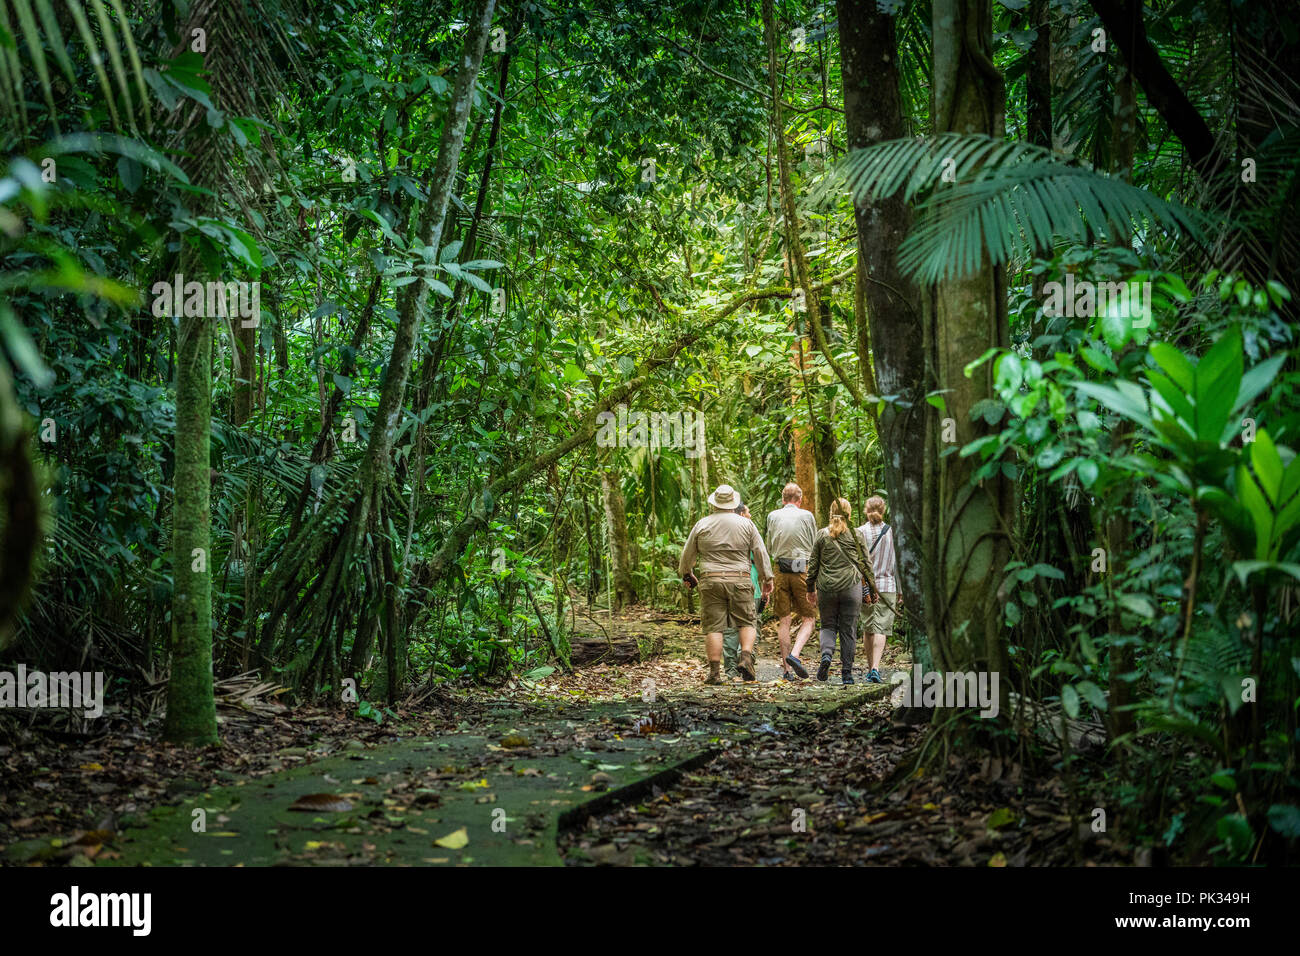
(839, 573)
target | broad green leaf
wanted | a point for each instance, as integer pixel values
(1174, 399)
(1070, 701)
(1099, 360)
(1244, 569)
(1122, 402)
(1138, 605)
(1175, 365)
(1268, 466)
(1092, 694)
(1088, 472)
(1256, 380)
(1218, 378)
(1261, 512)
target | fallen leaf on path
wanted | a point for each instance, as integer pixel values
(321, 803)
(456, 840)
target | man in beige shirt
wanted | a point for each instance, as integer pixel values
(722, 542)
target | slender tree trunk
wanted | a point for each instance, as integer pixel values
(801, 435)
(973, 523)
(1038, 79)
(377, 466)
(620, 551)
(890, 341)
(1119, 529)
(191, 710)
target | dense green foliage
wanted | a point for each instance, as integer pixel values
(615, 237)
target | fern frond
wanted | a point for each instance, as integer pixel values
(982, 197)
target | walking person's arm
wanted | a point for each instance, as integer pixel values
(688, 558)
(814, 566)
(860, 542)
(762, 563)
(898, 580)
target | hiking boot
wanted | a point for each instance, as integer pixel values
(873, 677)
(746, 666)
(715, 673)
(797, 665)
(824, 669)
(847, 677)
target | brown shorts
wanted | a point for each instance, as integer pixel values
(726, 602)
(791, 594)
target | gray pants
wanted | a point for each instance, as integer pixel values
(731, 645)
(839, 612)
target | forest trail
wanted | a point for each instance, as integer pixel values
(611, 764)
(514, 781)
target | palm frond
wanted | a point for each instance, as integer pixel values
(37, 25)
(1002, 200)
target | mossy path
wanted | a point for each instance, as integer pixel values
(546, 756)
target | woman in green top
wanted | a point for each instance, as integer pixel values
(835, 584)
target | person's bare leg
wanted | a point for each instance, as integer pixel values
(747, 636)
(713, 649)
(875, 650)
(805, 632)
(783, 638)
(713, 645)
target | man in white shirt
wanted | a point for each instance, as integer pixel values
(879, 617)
(790, 534)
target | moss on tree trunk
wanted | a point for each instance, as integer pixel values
(191, 711)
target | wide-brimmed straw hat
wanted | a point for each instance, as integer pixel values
(725, 498)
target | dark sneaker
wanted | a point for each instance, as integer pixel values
(746, 666)
(848, 679)
(797, 665)
(873, 677)
(786, 676)
(824, 669)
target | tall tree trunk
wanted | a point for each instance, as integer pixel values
(1038, 79)
(620, 551)
(243, 530)
(972, 523)
(377, 465)
(810, 443)
(191, 716)
(801, 434)
(891, 343)
(1124, 27)
(242, 389)
(191, 709)
(1118, 530)
(328, 590)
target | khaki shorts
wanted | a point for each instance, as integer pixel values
(879, 617)
(791, 594)
(726, 602)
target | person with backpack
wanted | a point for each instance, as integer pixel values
(790, 534)
(879, 616)
(838, 574)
